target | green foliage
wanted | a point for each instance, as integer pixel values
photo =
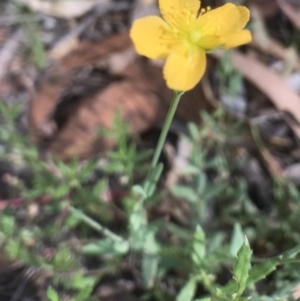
(82, 285)
(231, 79)
(52, 294)
(196, 251)
(34, 43)
(188, 291)
(125, 159)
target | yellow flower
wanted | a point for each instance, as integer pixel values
(185, 34)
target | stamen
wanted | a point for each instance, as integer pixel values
(167, 38)
(183, 28)
(172, 18)
(204, 10)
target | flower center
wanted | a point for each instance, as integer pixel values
(183, 28)
(194, 36)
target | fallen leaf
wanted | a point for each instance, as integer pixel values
(139, 92)
(67, 9)
(290, 12)
(267, 8)
(263, 41)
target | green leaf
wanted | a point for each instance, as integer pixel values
(184, 192)
(84, 293)
(216, 191)
(188, 291)
(242, 266)
(237, 239)
(61, 191)
(190, 170)
(7, 224)
(138, 219)
(260, 271)
(140, 191)
(290, 254)
(121, 247)
(12, 248)
(140, 156)
(198, 246)
(267, 298)
(193, 131)
(105, 247)
(230, 288)
(80, 281)
(52, 294)
(150, 259)
(149, 268)
(201, 183)
(100, 187)
(84, 285)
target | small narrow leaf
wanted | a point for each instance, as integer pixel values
(52, 294)
(150, 259)
(184, 192)
(190, 170)
(260, 271)
(230, 288)
(290, 254)
(242, 266)
(188, 291)
(105, 247)
(193, 131)
(139, 190)
(121, 247)
(237, 239)
(198, 246)
(149, 269)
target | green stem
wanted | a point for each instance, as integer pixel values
(156, 169)
(162, 138)
(93, 224)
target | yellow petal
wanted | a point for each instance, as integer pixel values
(175, 12)
(210, 42)
(225, 19)
(237, 38)
(244, 17)
(151, 37)
(182, 72)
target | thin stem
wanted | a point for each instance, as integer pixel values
(93, 224)
(156, 169)
(162, 138)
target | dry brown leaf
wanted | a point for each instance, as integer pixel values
(59, 77)
(141, 95)
(263, 41)
(71, 41)
(67, 9)
(138, 106)
(267, 8)
(290, 12)
(63, 48)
